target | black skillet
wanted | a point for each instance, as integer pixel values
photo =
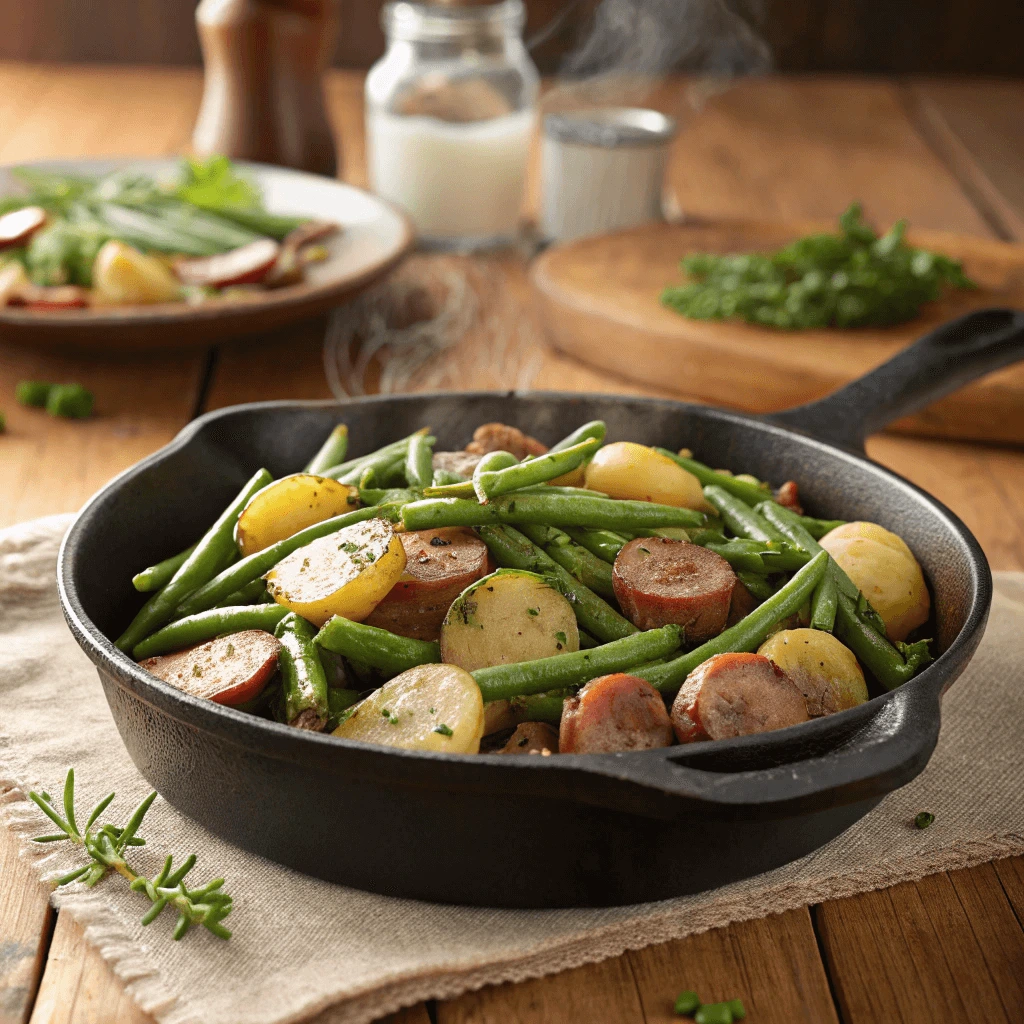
(531, 831)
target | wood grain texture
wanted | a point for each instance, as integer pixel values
(25, 921)
(772, 964)
(892, 953)
(976, 131)
(600, 301)
(78, 985)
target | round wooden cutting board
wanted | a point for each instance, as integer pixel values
(599, 299)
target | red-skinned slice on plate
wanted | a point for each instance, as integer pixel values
(18, 226)
(229, 670)
(248, 264)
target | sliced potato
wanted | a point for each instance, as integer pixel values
(345, 573)
(289, 505)
(507, 617)
(884, 568)
(628, 470)
(122, 275)
(824, 670)
(430, 707)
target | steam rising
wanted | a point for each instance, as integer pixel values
(652, 38)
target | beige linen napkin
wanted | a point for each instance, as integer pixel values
(302, 946)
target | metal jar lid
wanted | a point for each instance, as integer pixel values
(610, 127)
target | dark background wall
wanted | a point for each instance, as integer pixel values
(901, 36)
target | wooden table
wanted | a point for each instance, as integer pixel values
(947, 155)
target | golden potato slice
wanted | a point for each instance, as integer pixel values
(122, 275)
(345, 573)
(634, 471)
(430, 707)
(288, 505)
(884, 568)
(824, 670)
(506, 617)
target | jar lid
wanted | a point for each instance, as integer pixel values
(610, 127)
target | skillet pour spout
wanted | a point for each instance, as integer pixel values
(571, 830)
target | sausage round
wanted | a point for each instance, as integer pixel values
(439, 565)
(611, 713)
(18, 226)
(735, 695)
(532, 738)
(658, 581)
(499, 437)
(248, 264)
(229, 670)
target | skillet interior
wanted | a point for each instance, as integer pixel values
(623, 803)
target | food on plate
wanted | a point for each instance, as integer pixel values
(616, 712)
(505, 618)
(230, 670)
(824, 671)
(736, 694)
(126, 239)
(432, 707)
(432, 600)
(439, 566)
(851, 279)
(885, 571)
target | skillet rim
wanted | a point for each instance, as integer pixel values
(230, 725)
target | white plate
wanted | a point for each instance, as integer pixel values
(374, 237)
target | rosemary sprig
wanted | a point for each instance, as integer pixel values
(106, 846)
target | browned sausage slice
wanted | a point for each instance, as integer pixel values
(499, 437)
(229, 670)
(616, 712)
(439, 565)
(462, 463)
(736, 695)
(658, 581)
(20, 225)
(62, 296)
(532, 738)
(248, 264)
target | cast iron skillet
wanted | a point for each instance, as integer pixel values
(530, 831)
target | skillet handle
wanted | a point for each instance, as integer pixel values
(934, 366)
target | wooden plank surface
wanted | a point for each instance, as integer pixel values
(779, 148)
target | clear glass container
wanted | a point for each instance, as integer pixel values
(450, 110)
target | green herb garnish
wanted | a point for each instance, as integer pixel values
(443, 729)
(106, 846)
(851, 279)
(924, 819)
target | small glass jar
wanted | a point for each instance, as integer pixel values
(450, 110)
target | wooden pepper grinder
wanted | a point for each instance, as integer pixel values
(263, 95)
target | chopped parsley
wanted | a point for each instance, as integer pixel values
(443, 729)
(924, 819)
(561, 637)
(533, 611)
(389, 715)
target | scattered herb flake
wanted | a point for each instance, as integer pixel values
(443, 729)
(924, 819)
(533, 611)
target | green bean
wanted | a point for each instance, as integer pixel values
(583, 566)
(384, 470)
(255, 565)
(159, 575)
(603, 543)
(823, 603)
(303, 681)
(419, 462)
(743, 489)
(251, 593)
(788, 559)
(216, 550)
(338, 702)
(261, 703)
(514, 551)
(687, 1003)
(444, 477)
(502, 682)
(537, 707)
(891, 666)
(747, 635)
(546, 510)
(395, 447)
(388, 495)
(580, 492)
(387, 652)
(817, 528)
(490, 463)
(758, 585)
(535, 471)
(738, 557)
(595, 429)
(742, 519)
(739, 1011)
(587, 641)
(713, 1013)
(197, 629)
(332, 451)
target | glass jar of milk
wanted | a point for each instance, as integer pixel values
(449, 115)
